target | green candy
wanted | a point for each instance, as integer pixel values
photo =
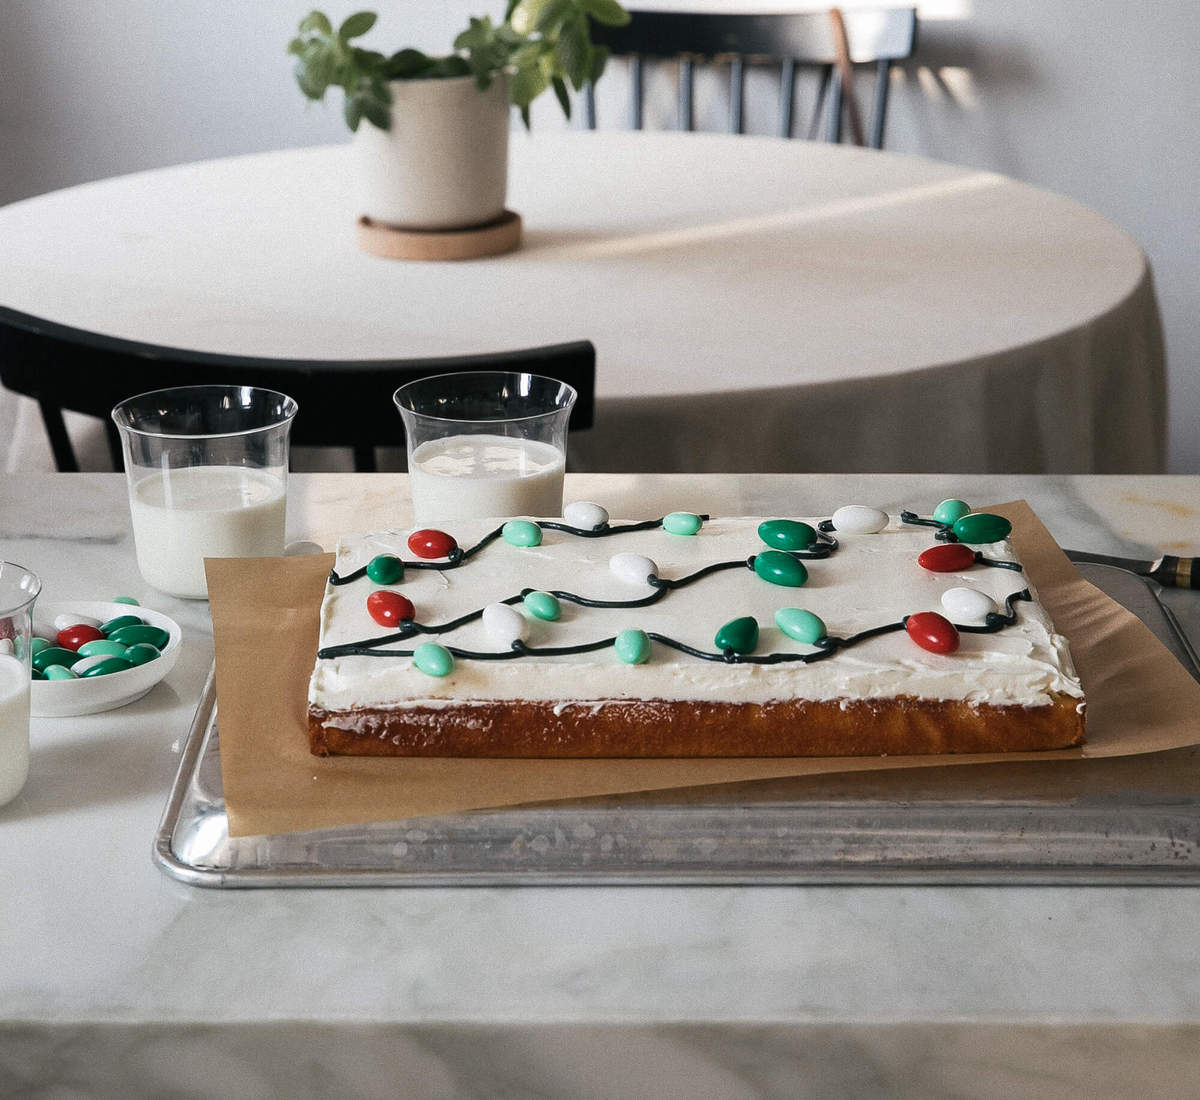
(385, 569)
(786, 534)
(780, 568)
(38, 674)
(521, 532)
(542, 605)
(54, 655)
(107, 666)
(125, 599)
(143, 632)
(681, 523)
(120, 621)
(433, 659)
(980, 527)
(58, 672)
(740, 635)
(36, 645)
(102, 645)
(951, 511)
(632, 646)
(141, 654)
(802, 625)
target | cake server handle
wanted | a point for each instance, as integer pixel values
(1168, 570)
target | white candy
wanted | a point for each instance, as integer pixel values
(61, 622)
(967, 605)
(585, 515)
(6, 647)
(632, 568)
(84, 663)
(505, 624)
(858, 519)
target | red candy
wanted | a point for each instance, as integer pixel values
(428, 543)
(389, 608)
(72, 637)
(948, 557)
(932, 632)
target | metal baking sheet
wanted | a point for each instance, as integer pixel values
(1127, 820)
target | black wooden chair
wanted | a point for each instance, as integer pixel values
(789, 42)
(342, 403)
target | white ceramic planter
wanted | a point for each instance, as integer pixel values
(444, 162)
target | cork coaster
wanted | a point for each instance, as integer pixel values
(502, 235)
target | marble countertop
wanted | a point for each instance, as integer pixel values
(113, 973)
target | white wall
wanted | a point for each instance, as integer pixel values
(1092, 98)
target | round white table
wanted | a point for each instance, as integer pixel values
(756, 304)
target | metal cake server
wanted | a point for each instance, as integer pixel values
(1168, 570)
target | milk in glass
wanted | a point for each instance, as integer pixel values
(204, 512)
(14, 726)
(481, 476)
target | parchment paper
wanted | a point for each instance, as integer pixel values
(265, 621)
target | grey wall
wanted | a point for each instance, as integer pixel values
(1092, 98)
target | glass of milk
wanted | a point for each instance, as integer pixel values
(484, 444)
(207, 473)
(18, 589)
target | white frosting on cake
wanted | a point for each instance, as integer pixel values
(873, 579)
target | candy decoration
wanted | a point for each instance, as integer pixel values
(786, 534)
(120, 621)
(103, 645)
(779, 568)
(125, 599)
(389, 608)
(57, 672)
(968, 604)
(585, 515)
(428, 543)
(141, 653)
(385, 569)
(947, 557)
(55, 655)
(682, 523)
(632, 568)
(74, 635)
(632, 647)
(542, 605)
(433, 659)
(505, 624)
(858, 519)
(520, 532)
(980, 527)
(739, 635)
(932, 631)
(103, 667)
(951, 511)
(62, 622)
(7, 649)
(36, 645)
(36, 675)
(802, 625)
(143, 632)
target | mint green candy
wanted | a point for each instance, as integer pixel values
(116, 624)
(385, 569)
(38, 674)
(521, 532)
(141, 654)
(780, 568)
(740, 635)
(433, 659)
(108, 666)
(980, 527)
(36, 645)
(55, 655)
(102, 645)
(542, 605)
(143, 632)
(951, 511)
(802, 625)
(125, 599)
(681, 523)
(786, 534)
(632, 646)
(59, 672)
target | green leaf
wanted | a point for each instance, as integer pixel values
(353, 111)
(310, 90)
(451, 66)
(527, 84)
(560, 92)
(376, 113)
(608, 12)
(357, 24)
(316, 21)
(552, 13)
(407, 65)
(574, 50)
(599, 60)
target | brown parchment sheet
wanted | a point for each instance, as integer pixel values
(265, 620)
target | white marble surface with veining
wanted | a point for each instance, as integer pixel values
(116, 980)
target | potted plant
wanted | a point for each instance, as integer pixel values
(434, 147)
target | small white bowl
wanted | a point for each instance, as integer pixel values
(93, 694)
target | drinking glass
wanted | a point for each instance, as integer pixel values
(18, 589)
(207, 473)
(486, 444)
